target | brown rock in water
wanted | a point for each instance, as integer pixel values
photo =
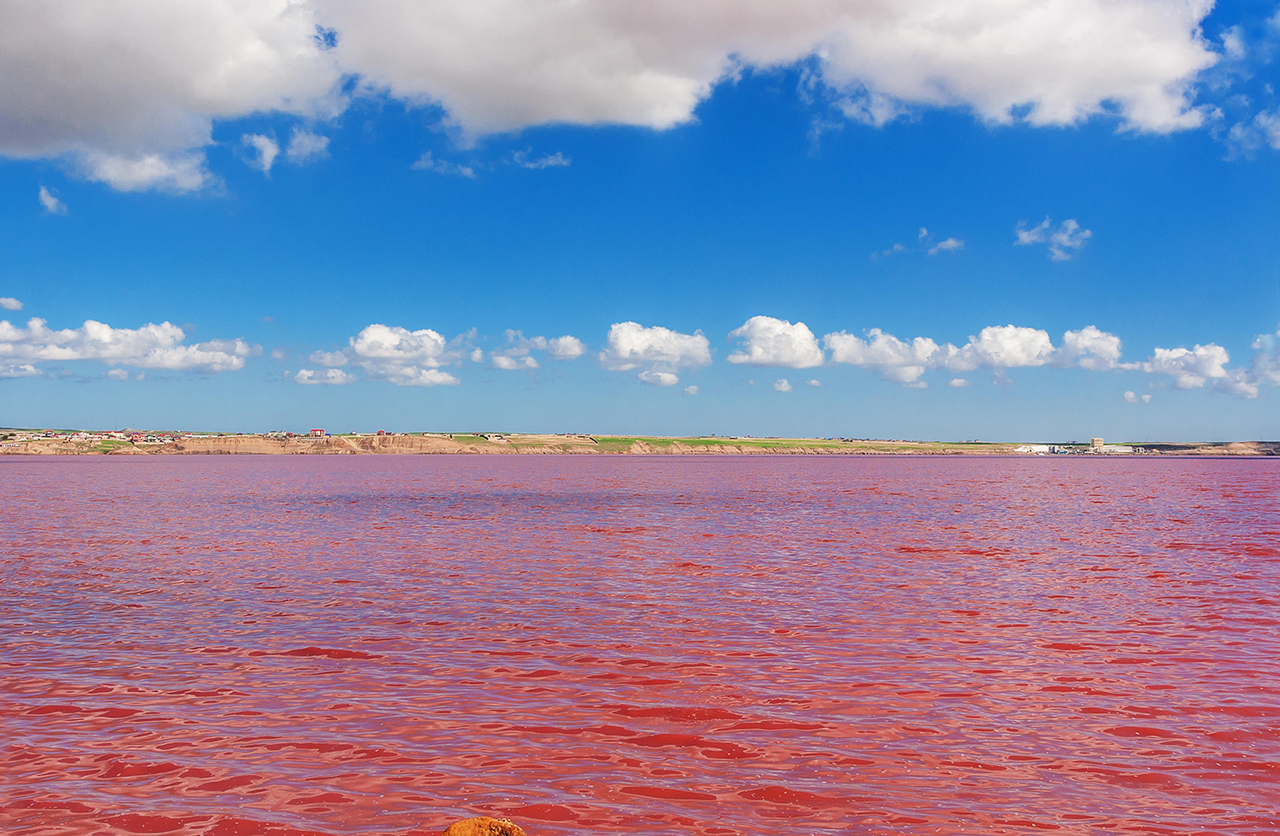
(483, 826)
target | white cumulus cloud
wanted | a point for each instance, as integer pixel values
(895, 359)
(404, 357)
(502, 361)
(150, 346)
(659, 350)
(129, 90)
(565, 348)
(766, 341)
(1068, 235)
(1203, 365)
(657, 378)
(781, 385)
(8, 303)
(167, 173)
(1089, 348)
(691, 390)
(959, 383)
(516, 353)
(500, 66)
(996, 347)
(947, 246)
(10, 370)
(331, 377)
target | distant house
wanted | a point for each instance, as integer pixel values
(317, 433)
(382, 432)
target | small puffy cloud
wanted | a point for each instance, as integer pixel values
(51, 203)
(263, 151)
(659, 350)
(330, 377)
(404, 357)
(8, 303)
(1089, 348)
(691, 390)
(305, 147)
(150, 346)
(1130, 397)
(1203, 365)
(329, 358)
(958, 383)
(429, 163)
(476, 355)
(656, 378)
(117, 374)
(501, 361)
(177, 173)
(947, 246)
(814, 383)
(524, 159)
(1068, 235)
(766, 341)
(10, 370)
(565, 348)
(279, 354)
(781, 385)
(515, 355)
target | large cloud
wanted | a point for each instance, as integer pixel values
(659, 351)
(404, 357)
(149, 347)
(776, 342)
(895, 359)
(131, 88)
(1089, 348)
(996, 347)
(1203, 365)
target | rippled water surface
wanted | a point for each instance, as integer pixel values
(719, 646)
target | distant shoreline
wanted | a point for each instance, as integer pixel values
(74, 443)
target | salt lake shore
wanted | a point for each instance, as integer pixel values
(132, 443)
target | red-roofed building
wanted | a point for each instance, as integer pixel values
(317, 433)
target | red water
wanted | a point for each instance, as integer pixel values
(792, 645)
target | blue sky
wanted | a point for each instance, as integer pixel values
(707, 203)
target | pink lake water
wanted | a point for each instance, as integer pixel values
(721, 646)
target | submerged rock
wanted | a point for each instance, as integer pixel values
(483, 826)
